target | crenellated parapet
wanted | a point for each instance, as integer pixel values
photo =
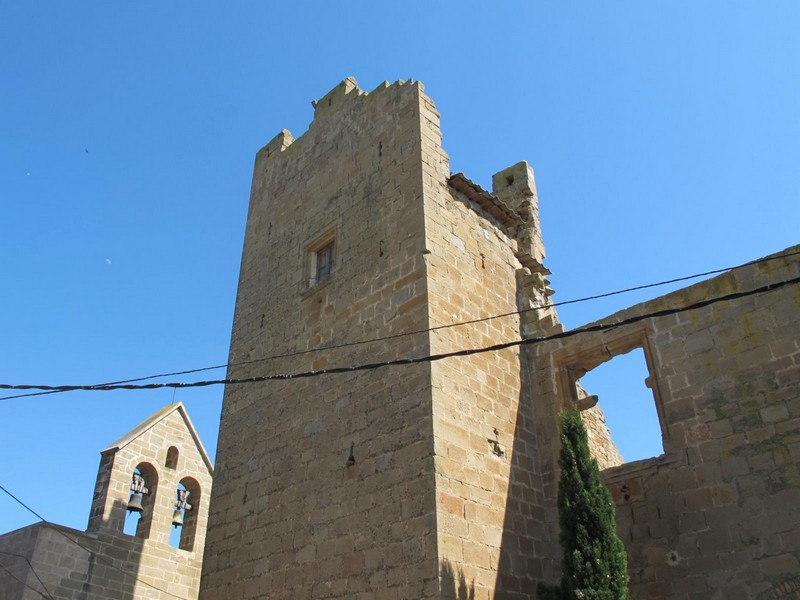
(346, 97)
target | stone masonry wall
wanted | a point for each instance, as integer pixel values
(16, 548)
(62, 569)
(471, 272)
(58, 568)
(717, 515)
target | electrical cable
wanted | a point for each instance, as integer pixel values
(408, 333)
(407, 361)
(25, 583)
(110, 563)
(25, 506)
(365, 367)
(103, 559)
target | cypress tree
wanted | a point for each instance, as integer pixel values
(594, 566)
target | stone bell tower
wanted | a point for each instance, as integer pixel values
(165, 458)
(141, 543)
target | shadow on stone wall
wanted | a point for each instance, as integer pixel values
(53, 561)
(455, 587)
(105, 566)
(529, 550)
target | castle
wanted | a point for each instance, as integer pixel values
(393, 434)
(437, 478)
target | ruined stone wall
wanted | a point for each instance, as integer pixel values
(716, 515)
(487, 260)
(290, 518)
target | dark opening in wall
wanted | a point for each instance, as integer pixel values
(321, 258)
(172, 458)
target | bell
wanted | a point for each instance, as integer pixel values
(177, 518)
(135, 503)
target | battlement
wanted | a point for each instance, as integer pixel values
(512, 205)
(342, 98)
(388, 126)
(348, 90)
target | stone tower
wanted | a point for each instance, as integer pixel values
(438, 477)
(390, 482)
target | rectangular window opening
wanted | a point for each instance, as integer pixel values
(321, 259)
(621, 413)
(324, 262)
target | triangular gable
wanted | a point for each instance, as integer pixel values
(154, 420)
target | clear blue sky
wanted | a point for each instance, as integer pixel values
(664, 137)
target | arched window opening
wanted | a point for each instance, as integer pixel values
(185, 514)
(144, 482)
(172, 458)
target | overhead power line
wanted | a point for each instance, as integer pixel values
(46, 594)
(409, 361)
(397, 335)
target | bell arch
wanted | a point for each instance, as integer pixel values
(142, 500)
(188, 502)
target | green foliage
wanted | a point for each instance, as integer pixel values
(594, 566)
